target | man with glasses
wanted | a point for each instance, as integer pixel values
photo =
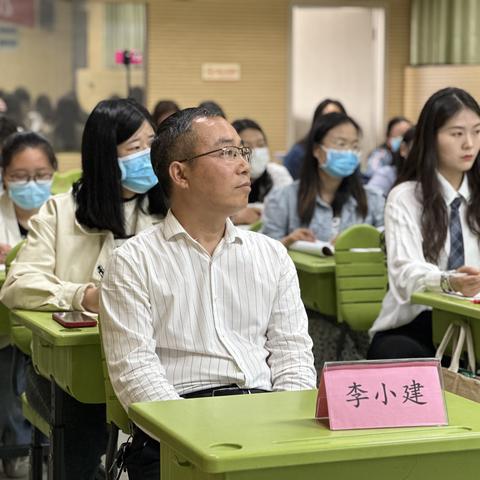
(195, 307)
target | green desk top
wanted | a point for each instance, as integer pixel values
(312, 263)
(246, 432)
(447, 303)
(42, 324)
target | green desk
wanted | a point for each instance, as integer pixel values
(447, 308)
(317, 281)
(275, 436)
(71, 356)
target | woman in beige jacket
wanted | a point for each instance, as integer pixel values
(28, 164)
(69, 243)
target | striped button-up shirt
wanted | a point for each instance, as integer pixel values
(176, 319)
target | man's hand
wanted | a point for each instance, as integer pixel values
(247, 216)
(91, 299)
(304, 234)
(469, 284)
(4, 249)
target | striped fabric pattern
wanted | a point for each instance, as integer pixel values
(177, 320)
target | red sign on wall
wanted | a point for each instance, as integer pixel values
(20, 12)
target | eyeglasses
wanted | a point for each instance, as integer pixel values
(227, 153)
(341, 144)
(24, 178)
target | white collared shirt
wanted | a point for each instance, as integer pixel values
(408, 270)
(176, 320)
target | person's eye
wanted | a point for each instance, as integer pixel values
(457, 134)
(230, 153)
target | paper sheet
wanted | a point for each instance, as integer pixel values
(321, 249)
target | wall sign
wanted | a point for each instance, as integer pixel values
(221, 72)
(20, 12)
(8, 37)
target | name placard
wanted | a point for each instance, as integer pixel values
(381, 394)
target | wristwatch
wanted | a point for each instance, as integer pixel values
(445, 283)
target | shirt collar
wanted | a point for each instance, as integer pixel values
(173, 228)
(449, 193)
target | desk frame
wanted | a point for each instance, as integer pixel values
(71, 360)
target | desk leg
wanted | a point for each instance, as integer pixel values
(56, 463)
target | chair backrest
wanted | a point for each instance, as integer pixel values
(12, 254)
(63, 181)
(116, 414)
(360, 276)
(256, 227)
(4, 312)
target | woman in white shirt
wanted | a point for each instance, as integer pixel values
(28, 164)
(432, 224)
(69, 243)
(264, 173)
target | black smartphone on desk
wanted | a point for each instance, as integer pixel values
(74, 319)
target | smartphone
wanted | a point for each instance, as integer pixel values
(74, 319)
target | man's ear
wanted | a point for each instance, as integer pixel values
(178, 175)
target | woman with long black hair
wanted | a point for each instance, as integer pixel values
(69, 243)
(293, 160)
(432, 224)
(329, 197)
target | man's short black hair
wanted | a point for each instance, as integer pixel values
(175, 140)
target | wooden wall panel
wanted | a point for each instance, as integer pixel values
(183, 34)
(421, 82)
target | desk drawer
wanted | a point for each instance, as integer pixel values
(76, 369)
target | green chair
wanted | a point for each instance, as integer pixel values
(360, 276)
(255, 227)
(63, 181)
(4, 312)
(20, 336)
(117, 418)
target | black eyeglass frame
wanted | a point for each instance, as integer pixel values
(245, 153)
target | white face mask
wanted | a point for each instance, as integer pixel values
(258, 161)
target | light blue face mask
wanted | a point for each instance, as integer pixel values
(137, 172)
(395, 143)
(31, 195)
(340, 163)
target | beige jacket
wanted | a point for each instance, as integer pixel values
(60, 258)
(9, 230)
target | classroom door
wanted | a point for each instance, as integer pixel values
(338, 53)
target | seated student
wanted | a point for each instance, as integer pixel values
(293, 160)
(28, 164)
(162, 110)
(384, 178)
(432, 224)
(264, 174)
(329, 197)
(69, 243)
(167, 332)
(383, 154)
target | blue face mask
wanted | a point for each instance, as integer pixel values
(137, 172)
(395, 143)
(31, 195)
(340, 163)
